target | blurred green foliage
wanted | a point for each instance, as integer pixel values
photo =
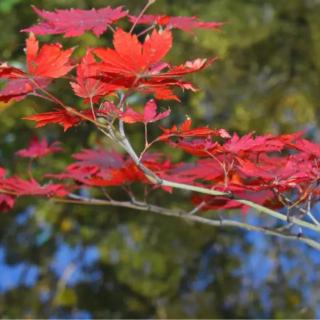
(266, 80)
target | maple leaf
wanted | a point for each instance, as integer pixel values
(87, 86)
(63, 117)
(201, 147)
(128, 174)
(264, 197)
(132, 64)
(183, 23)
(2, 173)
(149, 114)
(185, 131)
(308, 147)
(285, 172)
(90, 164)
(50, 61)
(18, 88)
(43, 65)
(75, 22)
(21, 187)
(249, 143)
(6, 202)
(108, 109)
(99, 158)
(101, 168)
(131, 58)
(38, 149)
(9, 72)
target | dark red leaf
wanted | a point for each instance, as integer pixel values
(75, 22)
(38, 149)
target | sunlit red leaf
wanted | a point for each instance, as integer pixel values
(43, 65)
(62, 117)
(50, 61)
(87, 86)
(136, 65)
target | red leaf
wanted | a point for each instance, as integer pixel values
(202, 147)
(308, 147)
(130, 57)
(50, 61)
(18, 88)
(149, 115)
(38, 149)
(87, 86)
(32, 188)
(8, 72)
(62, 117)
(265, 143)
(137, 65)
(2, 173)
(182, 23)
(101, 159)
(43, 65)
(185, 131)
(6, 202)
(75, 22)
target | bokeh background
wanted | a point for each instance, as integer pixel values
(62, 261)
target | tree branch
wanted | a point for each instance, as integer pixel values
(153, 178)
(143, 206)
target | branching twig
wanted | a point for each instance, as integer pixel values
(153, 178)
(143, 206)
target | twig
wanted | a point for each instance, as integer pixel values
(186, 216)
(153, 178)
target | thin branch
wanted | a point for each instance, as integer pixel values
(142, 206)
(145, 8)
(197, 208)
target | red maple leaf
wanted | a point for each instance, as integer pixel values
(99, 158)
(50, 61)
(308, 147)
(201, 147)
(6, 202)
(183, 23)
(281, 172)
(249, 143)
(21, 187)
(75, 22)
(185, 131)
(38, 148)
(18, 88)
(149, 114)
(42, 65)
(128, 174)
(264, 197)
(92, 163)
(63, 117)
(9, 72)
(90, 87)
(137, 65)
